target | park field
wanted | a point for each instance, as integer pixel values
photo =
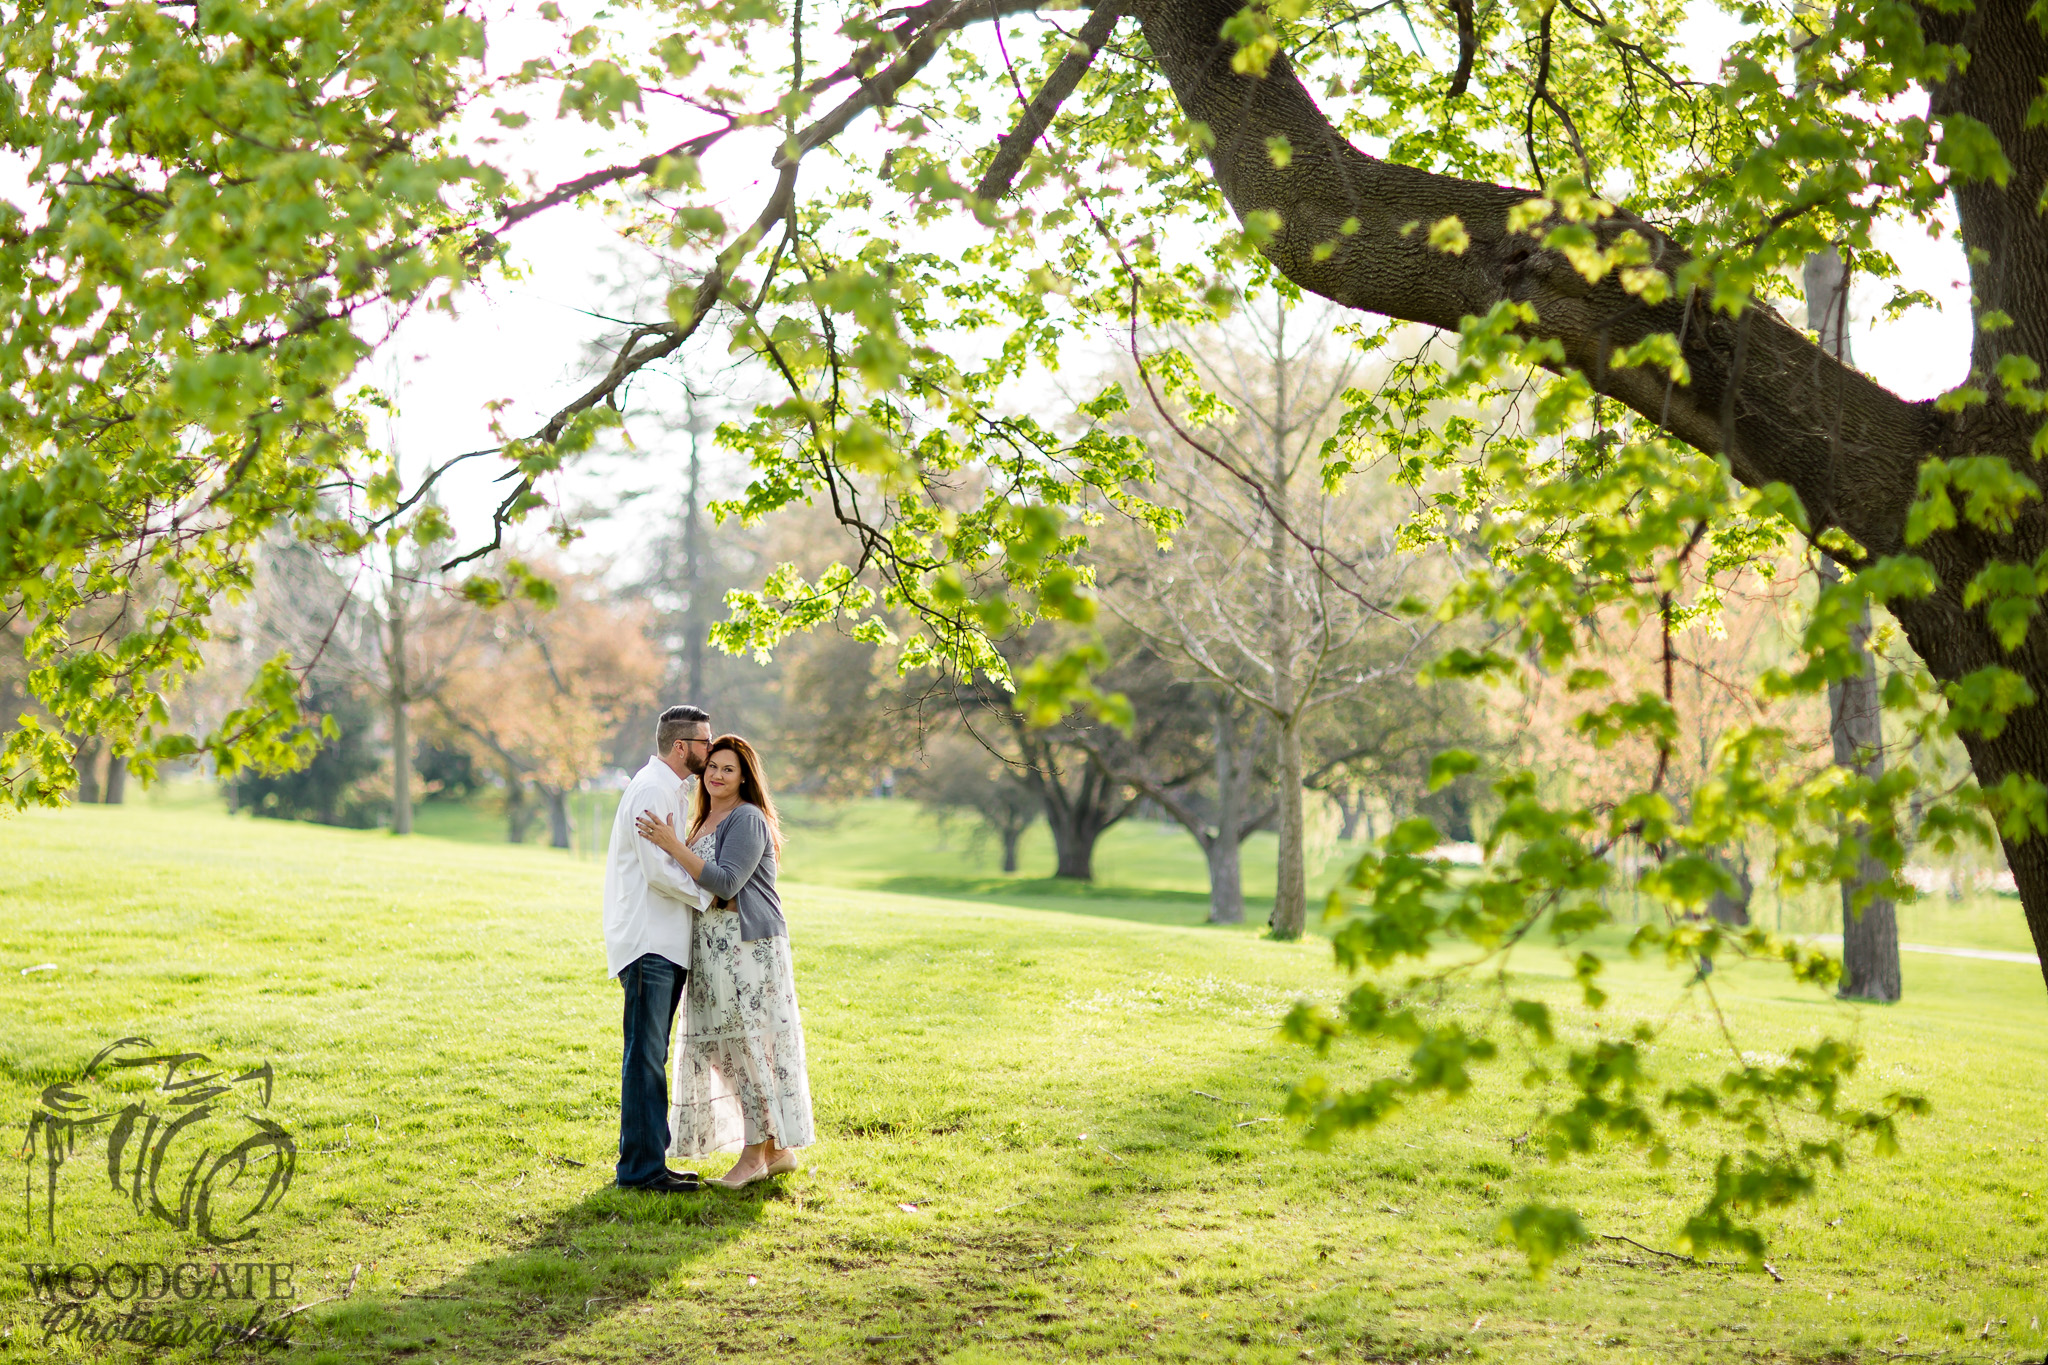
(1048, 1129)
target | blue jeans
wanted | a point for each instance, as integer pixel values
(653, 988)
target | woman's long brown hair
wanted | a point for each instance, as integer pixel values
(753, 787)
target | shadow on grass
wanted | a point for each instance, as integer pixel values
(569, 1270)
(1179, 1162)
(1143, 905)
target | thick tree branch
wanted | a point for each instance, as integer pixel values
(1016, 144)
(1778, 401)
(1468, 46)
(882, 88)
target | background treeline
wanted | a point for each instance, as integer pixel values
(1273, 647)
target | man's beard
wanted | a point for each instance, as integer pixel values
(696, 762)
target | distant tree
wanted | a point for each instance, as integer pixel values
(337, 787)
(416, 629)
(1375, 746)
(958, 774)
(1273, 589)
(1087, 772)
(1870, 924)
(538, 687)
(448, 772)
(689, 561)
(844, 718)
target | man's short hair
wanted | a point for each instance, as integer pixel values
(676, 723)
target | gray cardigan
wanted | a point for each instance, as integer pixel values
(741, 869)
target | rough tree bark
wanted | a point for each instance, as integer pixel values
(1763, 395)
(1870, 933)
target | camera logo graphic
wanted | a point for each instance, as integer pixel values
(191, 1150)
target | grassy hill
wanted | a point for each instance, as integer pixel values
(1044, 1135)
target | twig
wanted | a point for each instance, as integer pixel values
(304, 1306)
(566, 1161)
(1112, 1156)
(1219, 1099)
(1273, 1118)
(451, 1297)
(1668, 1255)
(1682, 1258)
(329, 1151)
(351, 1287)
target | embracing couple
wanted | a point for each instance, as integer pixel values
(690, 912)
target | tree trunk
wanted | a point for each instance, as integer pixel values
(1870, 934)
(117, 780)
(1732, 909)
(695, 627)
(1222, 846)
(85, 759)
(1350, 806)
(1076, 815)
(1073, 843)
(1226, 879)
(398, 691)
(1290, 892)
(518, 810)
(561, 829)
(1012, 835)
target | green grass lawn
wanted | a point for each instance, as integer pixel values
(1043, 1135)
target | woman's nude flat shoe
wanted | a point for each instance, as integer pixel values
(785, 1164)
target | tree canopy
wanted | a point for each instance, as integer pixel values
(229, 201)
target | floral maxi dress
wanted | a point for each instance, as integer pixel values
(739, 1069)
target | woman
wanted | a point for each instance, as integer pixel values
(740, 1071)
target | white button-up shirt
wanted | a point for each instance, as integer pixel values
(650, 903)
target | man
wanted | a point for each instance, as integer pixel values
(650, 907)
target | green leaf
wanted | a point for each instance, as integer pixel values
(1543, 1232)
(1448, 766)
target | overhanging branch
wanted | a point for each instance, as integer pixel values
(1347, 234)
(1016, 144)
